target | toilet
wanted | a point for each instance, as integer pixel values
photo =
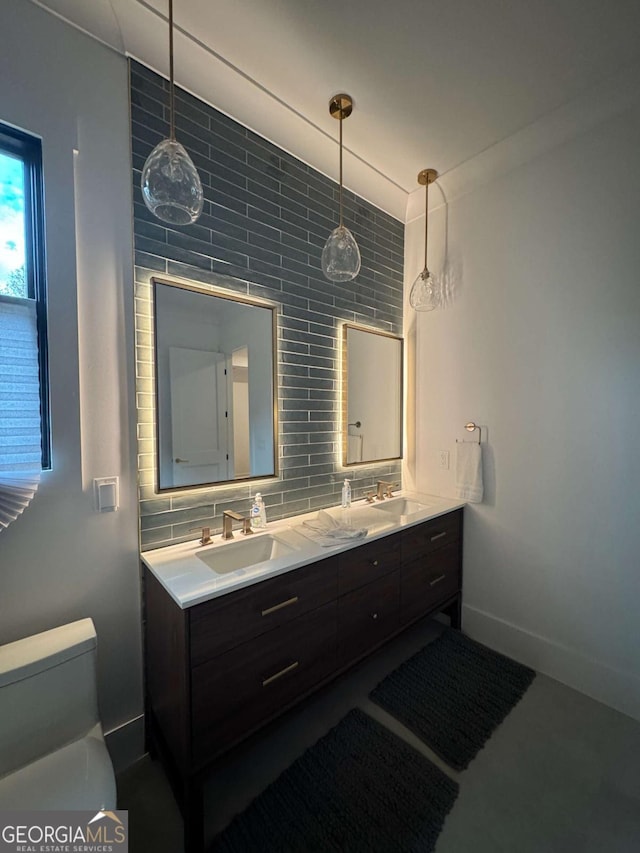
(52, 749)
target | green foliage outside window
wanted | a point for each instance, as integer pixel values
(12, 226)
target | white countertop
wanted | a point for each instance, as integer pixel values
(188, 580)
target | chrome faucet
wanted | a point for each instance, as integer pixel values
(228, 517)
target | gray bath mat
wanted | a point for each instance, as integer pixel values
(453, 694)
(359, 789)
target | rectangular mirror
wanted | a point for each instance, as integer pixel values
(215, 379)
(372, 389)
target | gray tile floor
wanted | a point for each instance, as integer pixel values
(560, 775)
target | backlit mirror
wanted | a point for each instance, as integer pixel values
(372, 388)
(215, 404)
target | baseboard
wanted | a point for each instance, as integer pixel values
(619, 690)
(126, 743)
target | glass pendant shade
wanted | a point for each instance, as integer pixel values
(424, 295)
(171, 186)
(170, 183)
(341, 255)
(425, 292)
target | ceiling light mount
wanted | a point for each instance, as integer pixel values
(427, 176)
(341, 255)
(341, 106)
(425, 293)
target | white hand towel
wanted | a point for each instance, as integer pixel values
(328, 532)
(469, 471)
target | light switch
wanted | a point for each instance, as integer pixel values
(443, 459)
(106, 493)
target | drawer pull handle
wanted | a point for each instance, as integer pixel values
(282, 604)
(438, 535)
(282, 672)
(374, 562)
(436, 580)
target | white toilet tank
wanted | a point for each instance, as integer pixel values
(49, 721)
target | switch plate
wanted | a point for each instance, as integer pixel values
(106, 493)
(443, 459)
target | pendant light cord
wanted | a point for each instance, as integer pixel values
(341, 120)
(172, 106)
(426, 221)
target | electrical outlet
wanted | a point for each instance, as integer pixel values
(443, 458)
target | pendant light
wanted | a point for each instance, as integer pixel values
(424, 294)
(341, 255)
(170, 183)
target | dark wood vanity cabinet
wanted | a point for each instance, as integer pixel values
(363, 565)
(219, 670)
(367, 617)
(226, 622)
(233, 694)
(431, 567)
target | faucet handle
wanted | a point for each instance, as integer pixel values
(390, 487)
(205, 537)
(369, 497)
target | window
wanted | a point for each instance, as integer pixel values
(24, 398)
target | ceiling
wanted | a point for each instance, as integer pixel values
(469, 88)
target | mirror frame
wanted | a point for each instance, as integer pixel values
(345, 393)
(231, 296)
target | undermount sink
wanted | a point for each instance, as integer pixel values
(397, 507)
(232, 556)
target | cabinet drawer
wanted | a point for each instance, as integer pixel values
(222, 624)
(367, 616)
(368, 562)
(429, 580)
(237, 691)
(434, 534)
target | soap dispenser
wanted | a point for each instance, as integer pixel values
(346, 495)
(258, 513)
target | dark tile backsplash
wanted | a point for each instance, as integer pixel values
(266, 218)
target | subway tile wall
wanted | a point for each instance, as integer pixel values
(266, 218)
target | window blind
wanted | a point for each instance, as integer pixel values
(19, 387)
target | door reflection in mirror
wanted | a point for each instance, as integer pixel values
(214, 367)
(199, 435)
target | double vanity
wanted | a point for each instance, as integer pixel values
(238, 631)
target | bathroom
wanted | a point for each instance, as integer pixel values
(537, 343)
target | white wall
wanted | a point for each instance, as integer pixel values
(540, 344)
(61, 560)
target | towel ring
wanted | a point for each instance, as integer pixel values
(470, 427)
